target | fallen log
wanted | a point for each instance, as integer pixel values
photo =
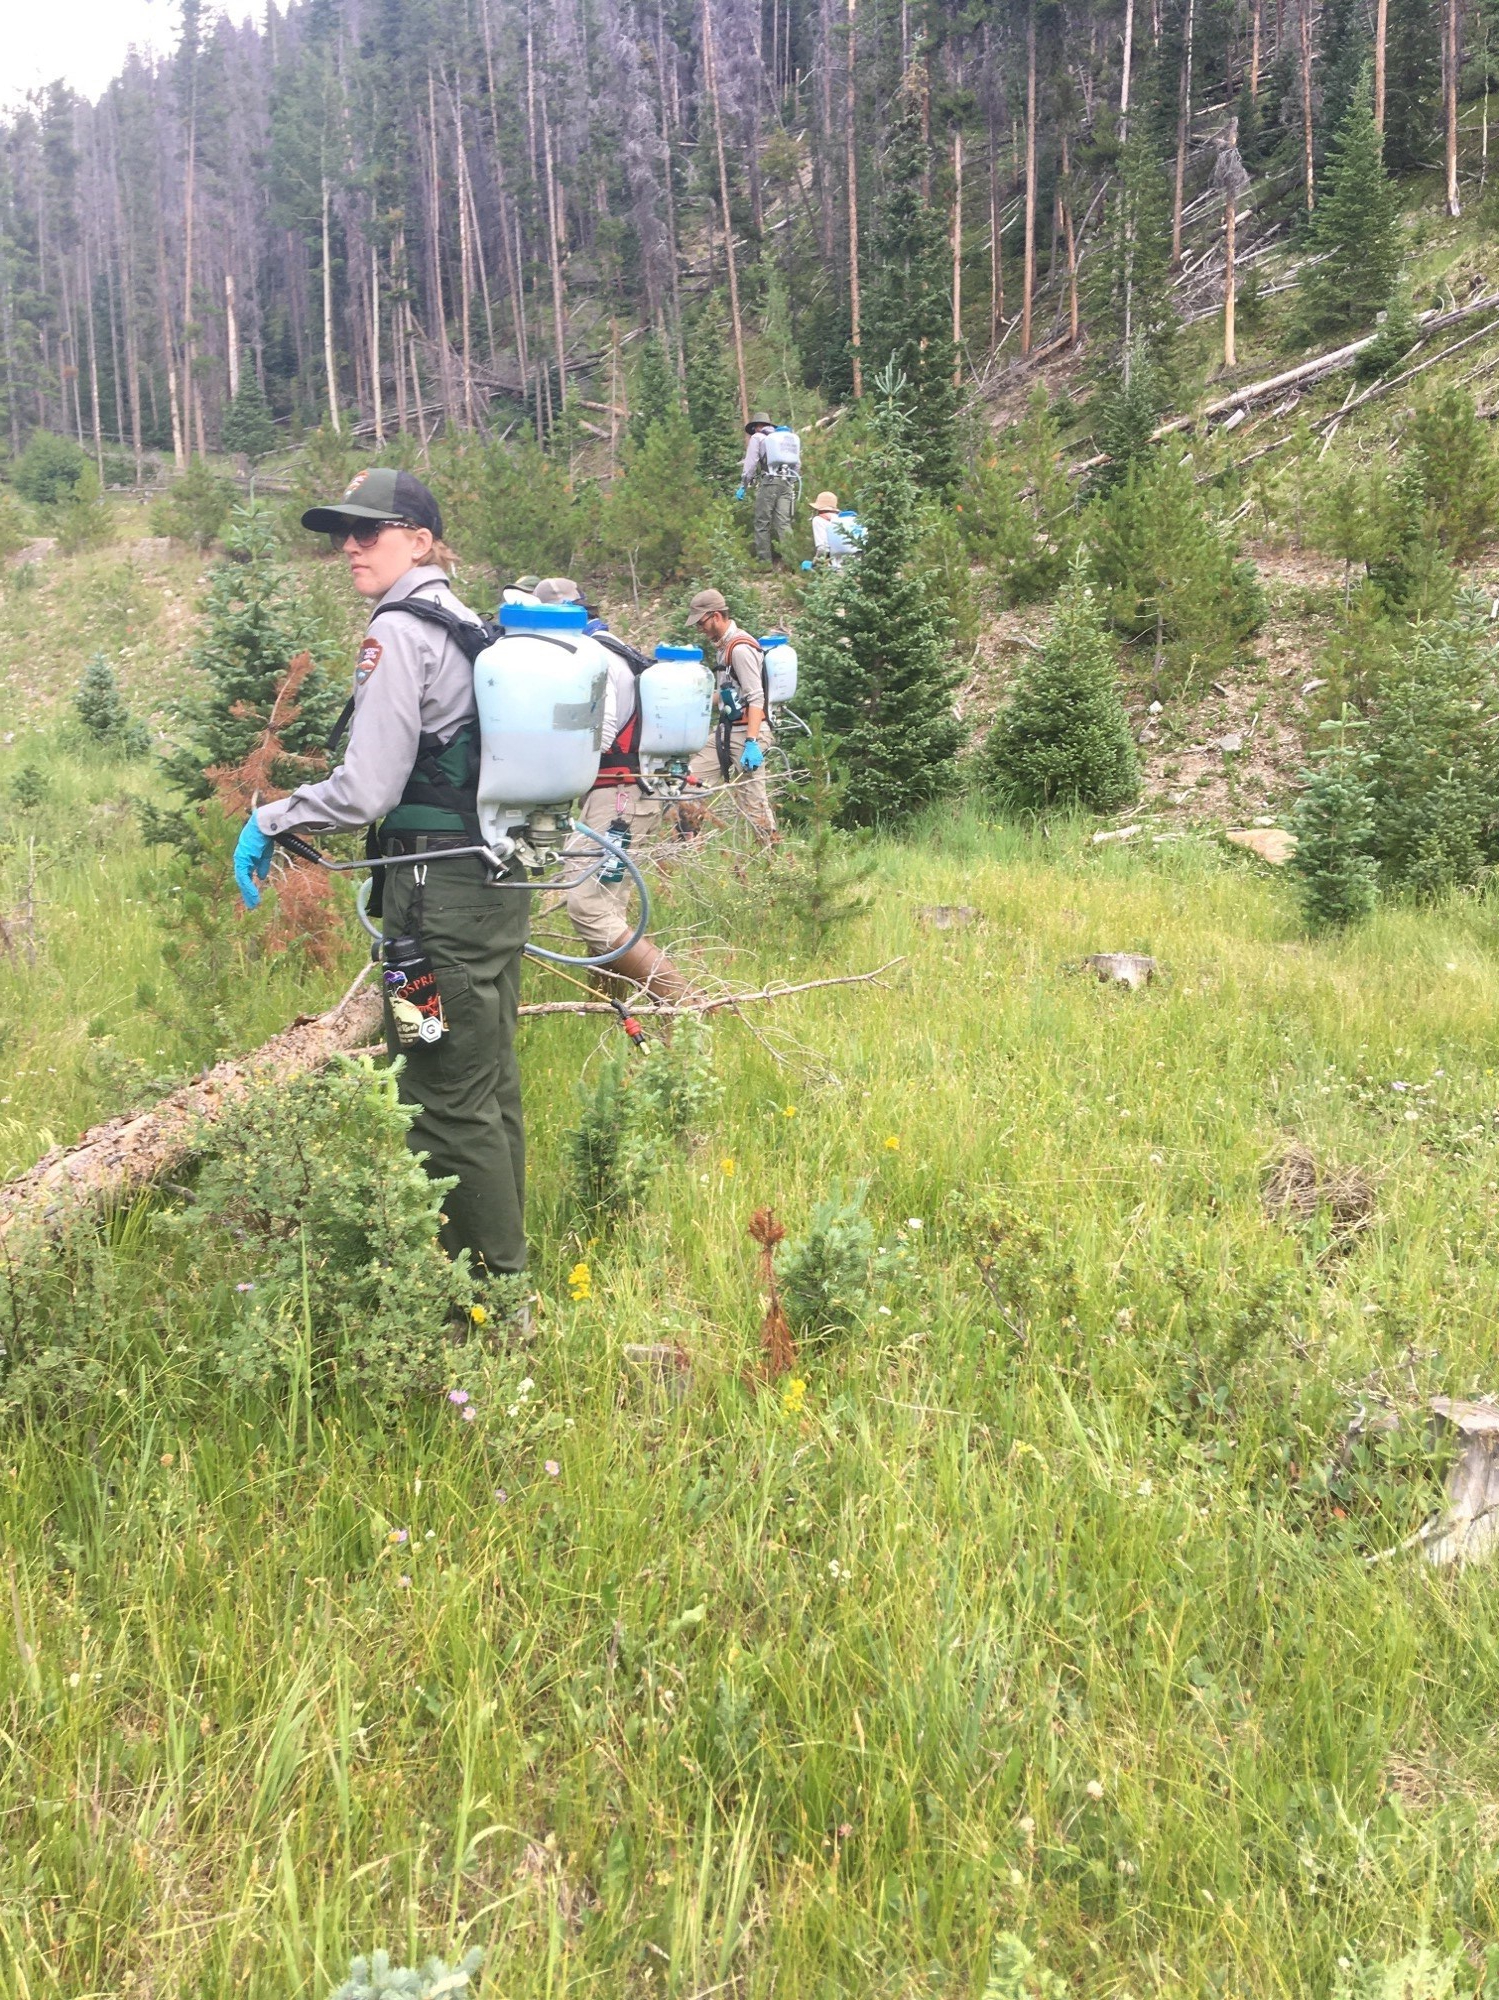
(1307, 371)
(123, 1155)
(117, 1159)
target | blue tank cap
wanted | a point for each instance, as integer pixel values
(679, 652)
(774, 639)
(542, 618)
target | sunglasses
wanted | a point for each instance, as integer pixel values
(364, 534)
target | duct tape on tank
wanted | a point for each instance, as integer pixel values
(571, 715)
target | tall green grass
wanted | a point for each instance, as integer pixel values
(1047, 1612)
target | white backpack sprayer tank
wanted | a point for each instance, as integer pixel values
(676, 706)
(780, 668)
(845, 535)
(783, 452)
(539, 691)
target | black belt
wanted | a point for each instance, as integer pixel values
(423, 843)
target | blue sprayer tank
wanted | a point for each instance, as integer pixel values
(780, 667)
(676, 703)
(539, 691)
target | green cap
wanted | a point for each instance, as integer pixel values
(379, 493)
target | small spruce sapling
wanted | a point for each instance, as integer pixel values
(1353, 240)
(1168, 573)
(1435, 744)
(826, 1276)
(1336, 874)
(876, 653)
(1065, 741)
(105, 714)
(319, 1170)
(1454, 458)
(819, 876)
(375, 1978)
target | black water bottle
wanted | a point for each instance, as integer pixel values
(613, 871)
(410, 980)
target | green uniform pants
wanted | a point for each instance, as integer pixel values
(467, 1086)
(774, 503)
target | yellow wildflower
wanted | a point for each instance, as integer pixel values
(789, 1111)
(793, 1396)
(728, 1168)
(478, 1315)
(580, 1283)
(892, 1144)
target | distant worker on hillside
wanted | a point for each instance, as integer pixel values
(773, 467)
(736, 757)
(836, 535)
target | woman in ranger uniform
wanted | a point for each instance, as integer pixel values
(409, 772)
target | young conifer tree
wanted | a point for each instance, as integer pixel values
(712, 400)
(1354, 241)
(656, 398)
(248, 427)
(908, 310)
(1065, 739)
(1336, 874)
(254, 623)
(877, 669)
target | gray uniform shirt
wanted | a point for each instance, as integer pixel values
(754, 459)
(410, 679)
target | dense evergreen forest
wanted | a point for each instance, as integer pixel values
(474, 213)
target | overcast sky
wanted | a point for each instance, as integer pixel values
(85, 42)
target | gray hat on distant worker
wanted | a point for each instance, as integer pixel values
(761, 418)
(558, 590)
(705, 604)
(379, 493)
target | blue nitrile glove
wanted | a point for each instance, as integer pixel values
(751, 757)
(806, 565)
(252, 858)
(738, 492)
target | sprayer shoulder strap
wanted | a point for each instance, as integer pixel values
(635, 661)
(470, 635)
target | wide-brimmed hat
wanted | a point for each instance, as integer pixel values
(761, 417)
(558, 590)
(379, 493)
(527, 582)
(705, 604)
(825, 503)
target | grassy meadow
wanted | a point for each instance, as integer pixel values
(1039, 1609)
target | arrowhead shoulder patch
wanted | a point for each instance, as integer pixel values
(368, 660)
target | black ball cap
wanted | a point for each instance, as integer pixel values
(379, 494)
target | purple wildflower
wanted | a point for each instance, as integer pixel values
(458, 1396)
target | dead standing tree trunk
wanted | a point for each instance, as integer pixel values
(851, 101)
(1183, 136)
(710, 71)
(957, 257)
(1028, 276)
(1304, 30)
(1230, 176)
(1452, 57)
